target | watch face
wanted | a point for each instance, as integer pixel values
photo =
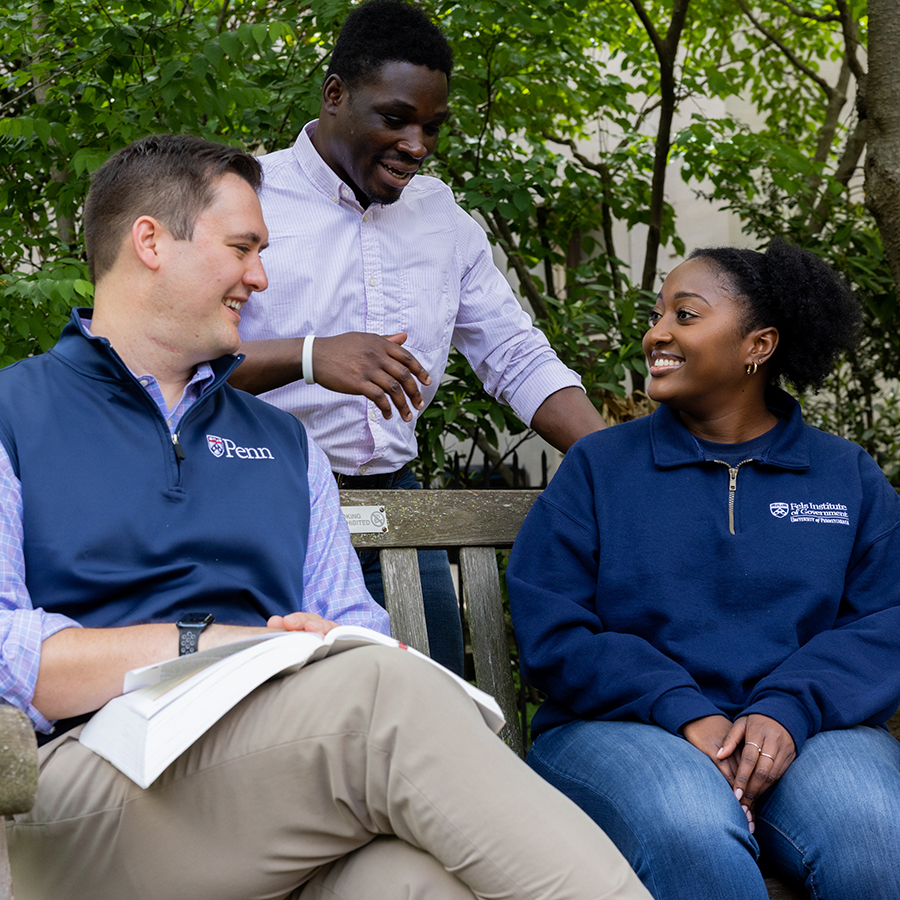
(196, 618)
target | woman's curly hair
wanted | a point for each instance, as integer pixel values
(797, 292)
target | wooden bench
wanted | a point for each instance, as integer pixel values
(476, 523)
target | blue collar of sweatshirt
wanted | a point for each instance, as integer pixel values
(95, 357)
(673, 445)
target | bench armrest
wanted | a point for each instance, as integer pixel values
(18, 762)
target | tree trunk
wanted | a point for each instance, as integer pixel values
(883, 114)
(667, 53)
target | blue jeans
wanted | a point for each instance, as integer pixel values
(831, 823)
(442, 618)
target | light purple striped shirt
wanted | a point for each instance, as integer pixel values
(421, 265)
(333, 584)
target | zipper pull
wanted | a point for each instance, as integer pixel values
(179, 450)
(732, 488)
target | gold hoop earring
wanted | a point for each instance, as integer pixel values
(751, 368)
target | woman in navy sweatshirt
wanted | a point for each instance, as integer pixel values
(710, 598)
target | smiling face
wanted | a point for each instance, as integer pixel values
(210, 277)
(697, 350)
(376, 135)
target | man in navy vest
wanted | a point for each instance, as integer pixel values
(147, 508)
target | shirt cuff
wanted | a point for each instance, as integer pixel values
(21, 657)
(677, 707)
(547, 379)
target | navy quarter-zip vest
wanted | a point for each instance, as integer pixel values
(118, 528)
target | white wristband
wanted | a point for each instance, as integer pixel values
(306, 362)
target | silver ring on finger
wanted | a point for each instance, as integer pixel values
(752, 744)
(769, 755)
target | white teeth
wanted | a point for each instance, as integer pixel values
(396, 172)
(233, 304)
(666, 363)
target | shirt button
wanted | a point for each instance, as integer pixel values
(144, 382)
(373, 415)
(373, 281)
(363, 470)
(334, 199)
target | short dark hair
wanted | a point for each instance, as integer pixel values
(381, 31)
(797, 292)
(168, 176)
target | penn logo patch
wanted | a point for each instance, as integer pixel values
(216, 445)
(779, 510)
(225, 447)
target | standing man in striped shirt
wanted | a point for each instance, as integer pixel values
(374, 271)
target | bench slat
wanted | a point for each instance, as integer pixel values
(403, 596)
(443, 518)
(483, 601)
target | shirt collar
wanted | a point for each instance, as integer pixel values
(320, 174)
(203, 376)
(673, 445)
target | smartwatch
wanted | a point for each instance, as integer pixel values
(189, 627)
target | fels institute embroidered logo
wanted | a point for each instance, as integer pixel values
(226, 447)
(816, 513)
(216, 445)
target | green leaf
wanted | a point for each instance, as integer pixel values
(42, 130)
(213, 52)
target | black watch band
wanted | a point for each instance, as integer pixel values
(190, 627)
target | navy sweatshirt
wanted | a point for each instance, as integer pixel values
(651, 583)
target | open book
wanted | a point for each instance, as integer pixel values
(168, 705)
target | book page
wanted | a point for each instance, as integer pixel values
(182, 667)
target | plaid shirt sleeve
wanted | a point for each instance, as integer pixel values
(333, 584)
(22, 628)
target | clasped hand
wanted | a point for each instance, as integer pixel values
(752, 753)
(376, 366)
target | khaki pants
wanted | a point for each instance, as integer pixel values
(302, 791)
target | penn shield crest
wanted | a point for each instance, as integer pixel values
(779, 510)
(216, 445)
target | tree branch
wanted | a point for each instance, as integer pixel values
(808, 13)
(829, 126)
(492, 453)
(649, 27)
(603, 170)
(667, 52)
(223, 16)
(847, 165)
(792, 57)
(851, 40)
(501, 230)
